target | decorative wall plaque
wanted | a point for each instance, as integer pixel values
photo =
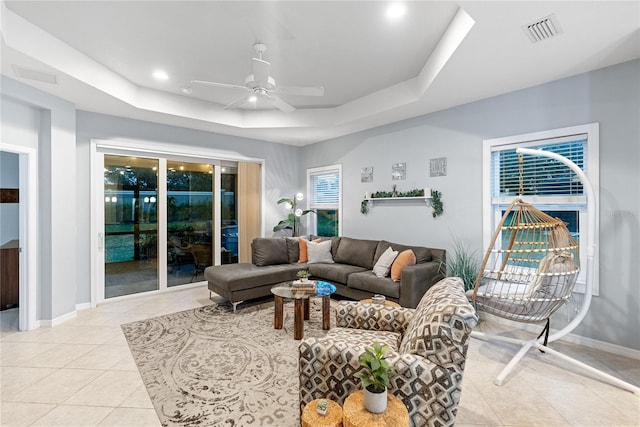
(438, 167)
(366, 174)
(398, 171)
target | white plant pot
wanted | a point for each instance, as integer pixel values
(375, 402)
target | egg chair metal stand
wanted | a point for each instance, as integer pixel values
(529, 272)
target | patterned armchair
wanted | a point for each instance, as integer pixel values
(429, 348)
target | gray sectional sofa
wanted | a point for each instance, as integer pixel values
(275, 260)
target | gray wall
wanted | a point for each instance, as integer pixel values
(610, 96)
(9, 178)
(33, 119)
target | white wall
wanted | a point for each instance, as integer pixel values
(610, 96)
(9, 178)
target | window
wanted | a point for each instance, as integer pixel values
(324, 186)
(546, 183)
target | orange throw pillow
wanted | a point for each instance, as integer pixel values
(302, 245)
(403, 259)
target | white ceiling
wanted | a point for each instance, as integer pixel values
(441, 54)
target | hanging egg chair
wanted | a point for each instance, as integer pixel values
(530, 269)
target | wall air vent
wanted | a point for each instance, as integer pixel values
(41, 76)
(542, 29)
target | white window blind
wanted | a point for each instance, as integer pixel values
(324, 189)
(540, 176)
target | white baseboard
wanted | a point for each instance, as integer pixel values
(83, 306)
(574, 339)
(604, 346)
(59, 320)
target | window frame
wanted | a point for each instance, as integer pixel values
(312, 219)
(493, 206)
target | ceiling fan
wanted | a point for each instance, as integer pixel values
(260, 85)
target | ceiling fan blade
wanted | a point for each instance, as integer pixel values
(280, 104)
(219, 84)
(261, 72)
(238, 102)
(302, 90)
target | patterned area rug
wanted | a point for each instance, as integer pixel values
(211, 367)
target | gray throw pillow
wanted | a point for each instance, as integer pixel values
(319, 253)
(383, 266)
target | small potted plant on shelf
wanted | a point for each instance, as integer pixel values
(375, 375)
(303, 275)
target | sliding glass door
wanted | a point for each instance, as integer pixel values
(190, 231)
(229, 215)
(130, 225)
(163, 219)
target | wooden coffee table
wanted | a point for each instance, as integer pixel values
(301, 305)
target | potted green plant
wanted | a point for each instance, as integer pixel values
(292, 221)
(375, 375)
(462, 262)
(303, 275)
(322, 406)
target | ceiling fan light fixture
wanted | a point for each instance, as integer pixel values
(253, 99)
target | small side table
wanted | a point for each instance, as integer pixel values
(355, 414)
(387, 303)
(311, 417)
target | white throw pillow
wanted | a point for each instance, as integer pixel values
(319, 253)
(383, 266)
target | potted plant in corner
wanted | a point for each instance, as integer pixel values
(375, 374)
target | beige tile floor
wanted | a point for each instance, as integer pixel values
(81, 373)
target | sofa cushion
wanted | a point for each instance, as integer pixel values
(422, 254)
(382, 267)
(441, 325)
(404, 259)
(335, 242)
(319, 252)
(303, 248)
(269, 251)
(337, 273)
(235, 277)
(356, 252)
(367, 281)
(293, 249)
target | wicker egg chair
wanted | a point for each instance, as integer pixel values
(529, 272)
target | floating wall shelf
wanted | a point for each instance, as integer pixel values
(371, 200)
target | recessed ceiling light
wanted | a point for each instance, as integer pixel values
(396, 10)
(186, 90)
(160, 75)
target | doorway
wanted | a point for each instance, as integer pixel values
(18, 236)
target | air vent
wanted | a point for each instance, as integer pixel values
(41, 76)
(542, 29)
